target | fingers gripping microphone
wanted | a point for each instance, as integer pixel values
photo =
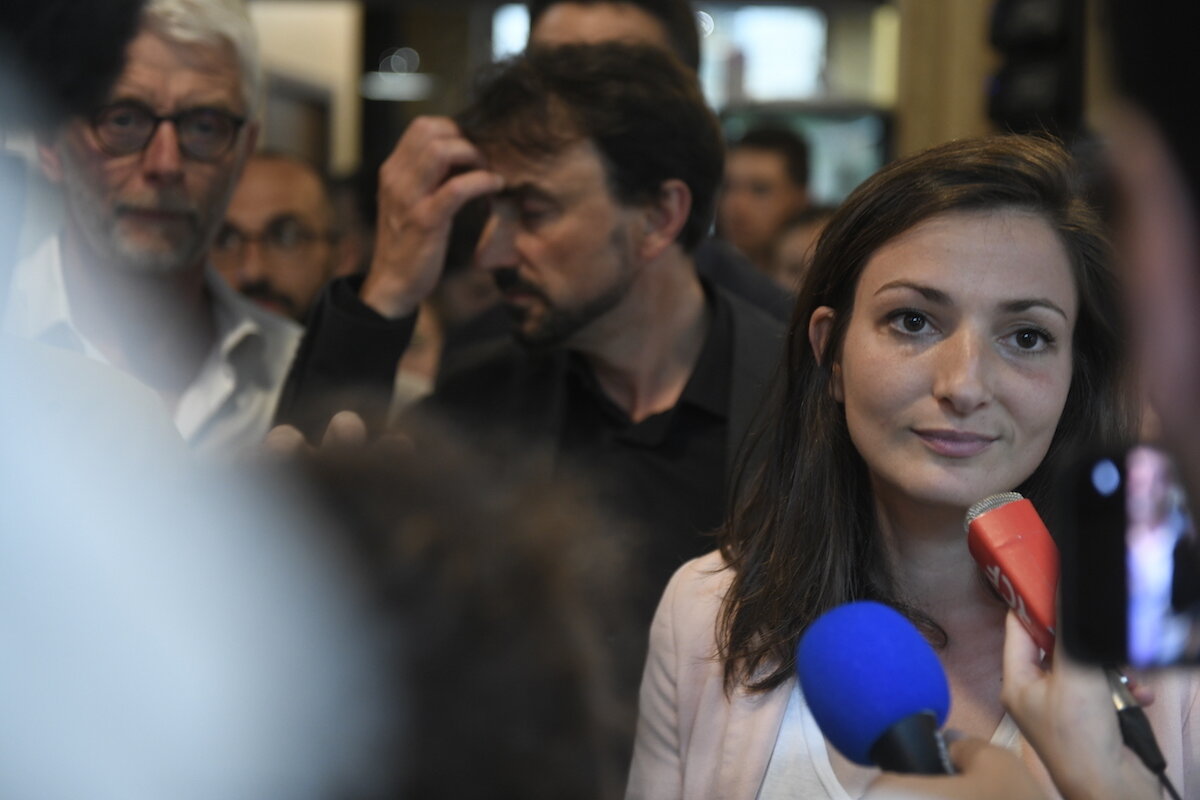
(1010, 543)
(876, 688)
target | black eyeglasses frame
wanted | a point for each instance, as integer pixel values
(235, 120)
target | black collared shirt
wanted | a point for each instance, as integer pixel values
(663, 478)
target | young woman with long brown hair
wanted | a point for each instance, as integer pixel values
(957, 336)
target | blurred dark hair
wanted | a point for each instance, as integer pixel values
(678, 19)
(643, 112)
(500, 589)
(784, 141)
(66, 52)
(804, 539)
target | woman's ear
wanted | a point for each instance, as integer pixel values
(664, 217)
(820, 328)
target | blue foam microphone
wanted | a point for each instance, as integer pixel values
(876, 688)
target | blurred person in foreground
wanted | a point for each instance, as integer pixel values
(162, 637)
(279, 243)
(503, 592)
(765, 186)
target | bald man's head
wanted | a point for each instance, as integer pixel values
(670, 24)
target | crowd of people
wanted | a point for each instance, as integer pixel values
(535, 493)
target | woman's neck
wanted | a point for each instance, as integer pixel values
(933, 571)
(930, 564)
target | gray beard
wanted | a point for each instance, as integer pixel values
(136, 261)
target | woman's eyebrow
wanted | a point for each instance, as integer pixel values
(941, 298)
(1016, 306)
(928, 292)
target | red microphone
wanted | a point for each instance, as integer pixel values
(1010, 543)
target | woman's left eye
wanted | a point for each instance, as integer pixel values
(1031, 340)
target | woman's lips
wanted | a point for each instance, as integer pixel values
(955, 444)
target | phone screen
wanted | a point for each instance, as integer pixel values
(1131, 566)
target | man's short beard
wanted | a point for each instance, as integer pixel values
(558, 325)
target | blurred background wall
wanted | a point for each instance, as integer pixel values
(865, 80)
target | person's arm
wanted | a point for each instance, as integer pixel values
(346, 361)
(430, 175)
(1065, 713)
(361, 326)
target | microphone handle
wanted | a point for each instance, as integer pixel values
(915, 746)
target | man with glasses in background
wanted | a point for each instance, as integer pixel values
(279, 243)
(145, 180)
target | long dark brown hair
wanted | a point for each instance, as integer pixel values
(803, 537)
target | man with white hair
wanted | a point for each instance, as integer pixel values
(146, 178)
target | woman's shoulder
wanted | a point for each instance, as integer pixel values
(687, 613)
(701, 582)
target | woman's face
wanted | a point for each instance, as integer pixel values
(957, 357)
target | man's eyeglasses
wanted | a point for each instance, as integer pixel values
(204, 134)
(283, 236)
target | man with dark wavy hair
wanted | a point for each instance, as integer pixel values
(599, 164)
(672, 26)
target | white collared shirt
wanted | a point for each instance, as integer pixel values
(229, 405)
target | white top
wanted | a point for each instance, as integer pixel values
(800, 765)
(229, 404)
(697, 741)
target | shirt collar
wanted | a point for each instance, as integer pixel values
(38, 308)
(235, 318)
(708, 386)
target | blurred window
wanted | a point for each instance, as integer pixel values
(510, 30)
(749, 53)
(756, 54)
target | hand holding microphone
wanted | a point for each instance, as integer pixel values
(1011, 545)
(879, 694)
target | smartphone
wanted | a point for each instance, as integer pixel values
(1130, 585)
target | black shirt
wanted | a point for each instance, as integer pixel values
(663, 478)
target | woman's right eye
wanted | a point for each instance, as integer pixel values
(908, 321)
